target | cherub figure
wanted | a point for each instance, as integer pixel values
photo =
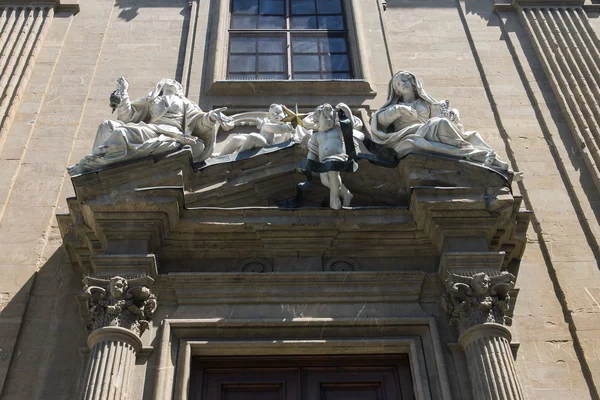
(327, 144)
(272, 131)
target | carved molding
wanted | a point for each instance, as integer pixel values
(478, 299)
(118, 302)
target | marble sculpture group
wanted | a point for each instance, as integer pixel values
(165, 121)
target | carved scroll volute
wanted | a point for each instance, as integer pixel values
(119, 302)
(478, 299)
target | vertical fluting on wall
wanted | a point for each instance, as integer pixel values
(569, 53)
(22, 30)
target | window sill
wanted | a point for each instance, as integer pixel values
(295, 87)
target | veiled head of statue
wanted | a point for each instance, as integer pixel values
(172, 87)
(324, 117)
(405, 84)
(276, 113)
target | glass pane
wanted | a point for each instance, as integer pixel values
(243, 22)
(331, 22)
(271, 22)
(304, 22)
(241, 44)
(245, 6)
(242, 77)
(272, 76)
(271, 63)
(306, 63)
(333, 45)
(271, 7)
(307, 76)
(271, 44)
(303, 7)
(341, 75)
(242, 63)
(335, 62)
(304, 45)
(329, 6)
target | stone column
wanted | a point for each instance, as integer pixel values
(477, 305)
(117, 311)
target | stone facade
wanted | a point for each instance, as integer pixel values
(217, 264)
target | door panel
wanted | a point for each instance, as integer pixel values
(301, 378)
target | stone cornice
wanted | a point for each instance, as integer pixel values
(59, 5)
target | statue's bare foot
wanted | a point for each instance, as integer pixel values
(187, 140)
(347, 198)
(334, 202)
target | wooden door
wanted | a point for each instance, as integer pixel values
(302, 378)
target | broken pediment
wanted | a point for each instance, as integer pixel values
(239, 209)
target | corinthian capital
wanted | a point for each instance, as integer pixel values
(125, 303)
(477, 299)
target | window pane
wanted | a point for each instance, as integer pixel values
(333, 45)
(243, 77)
(271, 63)
(272, 76)
(245, 6)
(306, 63)
(303, 7)
(307, 76)
(341, 75)
(243, 45)
(304, 45)
(271, 22)
(336, 62)
(329, 6)
(304, 22)
(331, 22)
(243, 22)
(271, 44)
(271, 7)
(242, 63)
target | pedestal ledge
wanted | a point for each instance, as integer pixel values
(114, 334)
(489, 329)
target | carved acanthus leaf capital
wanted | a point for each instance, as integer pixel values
(126, 303)
(477, 299)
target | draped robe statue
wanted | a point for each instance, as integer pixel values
(158, 124)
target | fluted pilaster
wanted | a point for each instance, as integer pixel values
(490, 362)
(22, 30)
(112, 357)
(569, 52)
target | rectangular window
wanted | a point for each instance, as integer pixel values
(288, 39)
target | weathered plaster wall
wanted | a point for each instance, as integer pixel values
(463, 51)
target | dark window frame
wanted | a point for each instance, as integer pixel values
(290, 33)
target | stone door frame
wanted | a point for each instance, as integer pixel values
(417, 337)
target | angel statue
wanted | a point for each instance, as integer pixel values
(160, 123)
(328, 144)
(273, 130)
(126, 304)
(411, 121)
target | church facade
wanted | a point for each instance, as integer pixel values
(283, 204)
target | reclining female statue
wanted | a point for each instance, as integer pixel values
(160, 123)
(413, 121)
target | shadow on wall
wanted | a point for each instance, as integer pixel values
(477, 7)
(41, 333)
(130, 9)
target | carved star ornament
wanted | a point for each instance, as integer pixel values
(294, 118)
